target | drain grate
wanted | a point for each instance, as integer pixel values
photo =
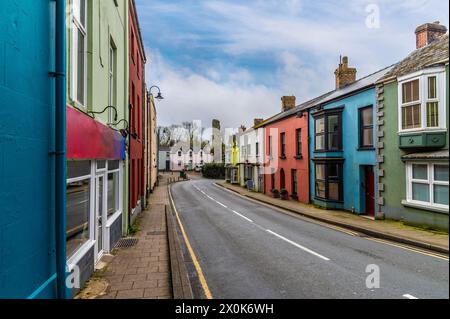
(126, 242)
(153, 233)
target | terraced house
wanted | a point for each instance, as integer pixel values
(97, 109)
(412, 133)
(342, 143)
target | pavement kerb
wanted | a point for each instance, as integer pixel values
(369, 232)
(181, 285)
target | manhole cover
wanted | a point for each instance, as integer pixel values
(126, 242)
(153, 233)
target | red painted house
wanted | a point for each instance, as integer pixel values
(137, 86)
(286, 148)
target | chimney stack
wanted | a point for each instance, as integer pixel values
(344, 74)
(287, 103)
(428, 32)
(257, 121)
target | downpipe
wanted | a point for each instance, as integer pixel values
(60, 147)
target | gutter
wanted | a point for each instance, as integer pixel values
(60, 147)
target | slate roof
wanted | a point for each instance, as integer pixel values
(356, 86)
(430, 55)
(427, 155)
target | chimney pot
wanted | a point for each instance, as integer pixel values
(429, 32)
(287, 103)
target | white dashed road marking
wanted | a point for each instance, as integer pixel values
(409, 296)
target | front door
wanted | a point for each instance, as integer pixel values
(99, 216)
(369, 191)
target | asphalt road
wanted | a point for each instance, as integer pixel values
(248, 250)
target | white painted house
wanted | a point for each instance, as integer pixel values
(182, 158)
(251, 157)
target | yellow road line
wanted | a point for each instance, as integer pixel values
(205, 287)
(435, 255)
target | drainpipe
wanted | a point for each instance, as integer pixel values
(60, 143)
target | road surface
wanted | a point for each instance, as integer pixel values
(249, 250)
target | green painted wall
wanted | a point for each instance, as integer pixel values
(105, 22)
(394, 168)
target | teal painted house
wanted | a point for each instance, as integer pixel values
(413, 135)
(342, 144)
(32, 163)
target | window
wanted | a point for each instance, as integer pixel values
(79, 52)
(283, 144)
(113, 188)
(366, 127)
(422, 101)
(270, 146)
(78, 205)
(132, 46)
(294, 181)
(179, 153)
(427, 184)
(298, 142)
(112, 100)
(329, 181)
(272, 179)
(328, 130)
(257, 149)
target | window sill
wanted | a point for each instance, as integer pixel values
(298, 157)
(283, 157)
(425, 207)
(422, 130)
(366, 148)
(79, 254)
(113, 218)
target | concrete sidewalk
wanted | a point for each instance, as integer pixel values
(143, 271)
(385, 229)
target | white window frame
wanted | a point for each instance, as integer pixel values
(83, 249)
(423, 76)
(112, 79)
(77, 26)
(430, 181)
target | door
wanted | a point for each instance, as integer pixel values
(369, 191)
(99, 215)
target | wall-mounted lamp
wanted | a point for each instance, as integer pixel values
(159, 96)
(108, 107)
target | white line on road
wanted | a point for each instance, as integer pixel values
(240, 215)
(409, 296)
(297, 245)
(224, 206)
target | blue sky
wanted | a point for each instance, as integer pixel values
(233, 60)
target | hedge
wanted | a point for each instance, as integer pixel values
(213, 170)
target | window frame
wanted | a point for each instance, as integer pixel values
(298, 143)
(77, 25)
(363, 127)
(327, 179)
(325, 114)
(283, 145)
(294, 182)
(430, 181)
(112, 79)
(423, 76)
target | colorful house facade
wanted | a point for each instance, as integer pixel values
(286, 151)
(32, 164)
(97, 105)
(137, 91)
(187, 159)
(342, 144)
(412, 133)
(232, 169)
(251, 157)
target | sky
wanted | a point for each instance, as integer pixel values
(233, 60)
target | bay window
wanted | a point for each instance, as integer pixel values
(328, 130)
(422, 101)
(329, 180)
(427, 184)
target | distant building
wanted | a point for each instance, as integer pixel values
(188, 159)
(164, 158)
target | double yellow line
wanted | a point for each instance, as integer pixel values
(197, 266)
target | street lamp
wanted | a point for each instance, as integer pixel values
(159, 96)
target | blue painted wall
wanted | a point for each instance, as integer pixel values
(27, 217)
(353, 174)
